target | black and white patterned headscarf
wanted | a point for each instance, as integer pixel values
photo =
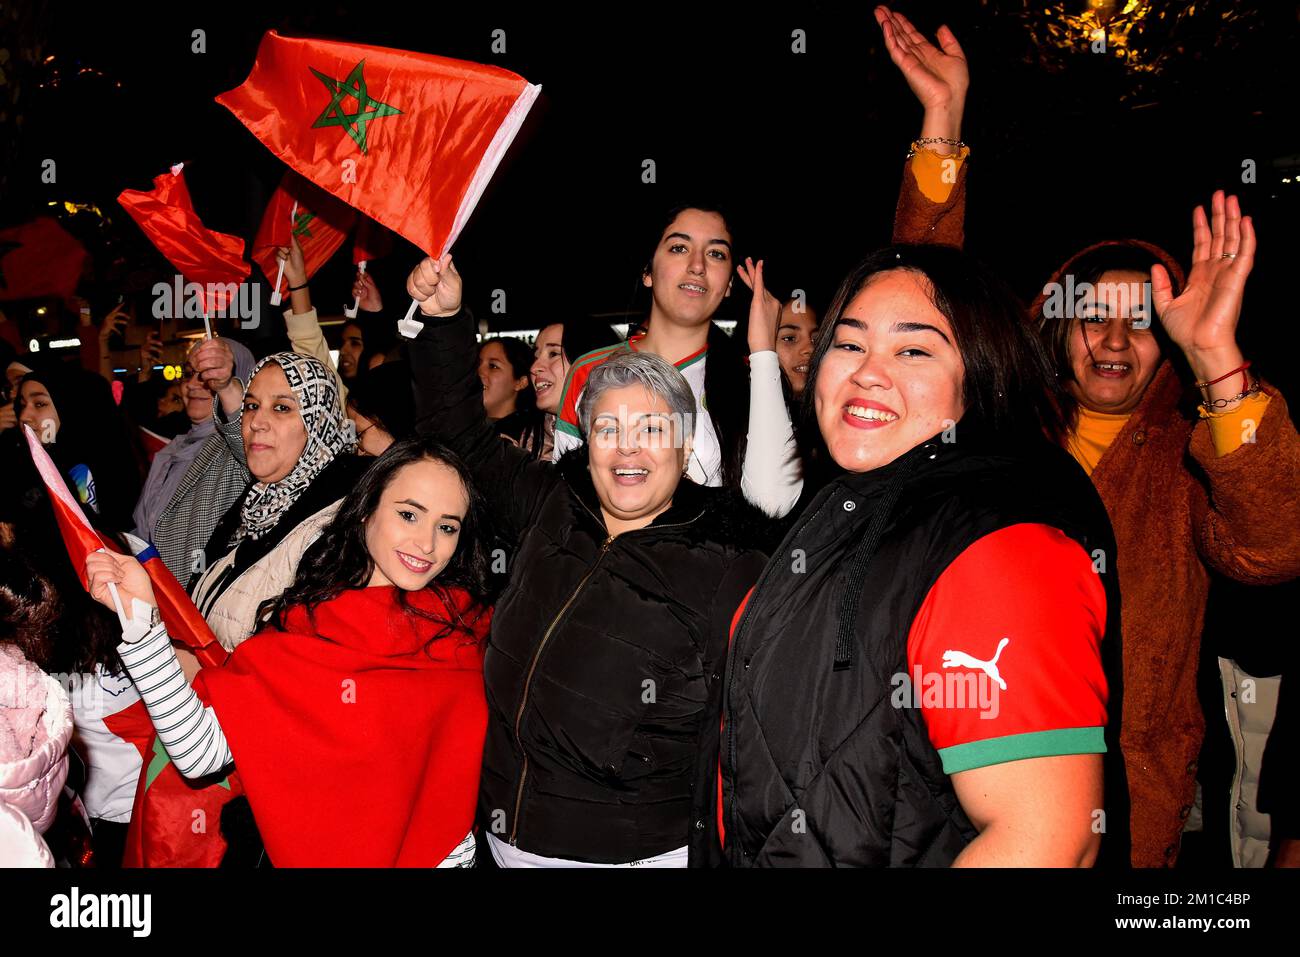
(322, 413)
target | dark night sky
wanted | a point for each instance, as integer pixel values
(807, 148)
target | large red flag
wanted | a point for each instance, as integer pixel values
(410, 139)
(319, 222)
(201, 255)
(39, 259)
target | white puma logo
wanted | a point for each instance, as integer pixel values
(959, 659)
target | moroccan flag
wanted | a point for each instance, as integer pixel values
(410, 139)
(39, 259)
(320, 223)
(184, 623)
(201, 255)
(175, 822)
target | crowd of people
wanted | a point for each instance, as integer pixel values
(916, 579)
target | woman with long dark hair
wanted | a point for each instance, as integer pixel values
(689, 273)
(947, 594)
(508, 397)
(356, 716)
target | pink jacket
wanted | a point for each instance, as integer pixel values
(35, 729)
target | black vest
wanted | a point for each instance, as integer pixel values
(818, 767)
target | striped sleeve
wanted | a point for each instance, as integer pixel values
(187, 728)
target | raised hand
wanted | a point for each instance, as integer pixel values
(115, 321)
(214, 361)
(764, 308)
(150, 355)
(937, 75)
(125, 572)
(1202, 320)
(366, 293)
(295, 267)
(436, 286)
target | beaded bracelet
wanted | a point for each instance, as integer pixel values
(1204, 408)
(927, 140)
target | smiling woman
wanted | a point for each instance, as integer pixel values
(955, 520)
(623, 576)
(386, 615)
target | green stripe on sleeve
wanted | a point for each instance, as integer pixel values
(1017, 747)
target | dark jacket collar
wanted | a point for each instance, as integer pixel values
(716, 514)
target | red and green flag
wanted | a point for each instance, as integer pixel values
(316, 219)
(410, 139)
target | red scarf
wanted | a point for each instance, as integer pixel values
(355, 745)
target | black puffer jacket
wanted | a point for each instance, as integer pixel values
(819, 765)
(604, 668)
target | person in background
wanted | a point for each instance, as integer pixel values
(35, 716)
(389, 604)
(73, 414)
(508, 397)
(1188, 491)
(379, 408)
(796, 337)
(197, 476)
(554, 351)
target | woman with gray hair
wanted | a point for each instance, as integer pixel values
(604, 664)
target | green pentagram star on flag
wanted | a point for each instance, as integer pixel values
(301, 224)
(354, 87)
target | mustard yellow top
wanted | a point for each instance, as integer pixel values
(936, 175)
(1095, 431)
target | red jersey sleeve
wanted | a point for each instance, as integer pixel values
(1004, 657)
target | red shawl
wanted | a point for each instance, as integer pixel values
(355, 745)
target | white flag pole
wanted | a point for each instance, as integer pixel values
(279, 275)
(351, 312)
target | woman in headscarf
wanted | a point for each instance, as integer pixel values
(197, 476)
(294, 438)
(73, 413)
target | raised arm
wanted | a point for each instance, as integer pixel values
(448, 398)
(214, 363)
(932, 199)
(300, 319)
(772, 473)
(1247, 446)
